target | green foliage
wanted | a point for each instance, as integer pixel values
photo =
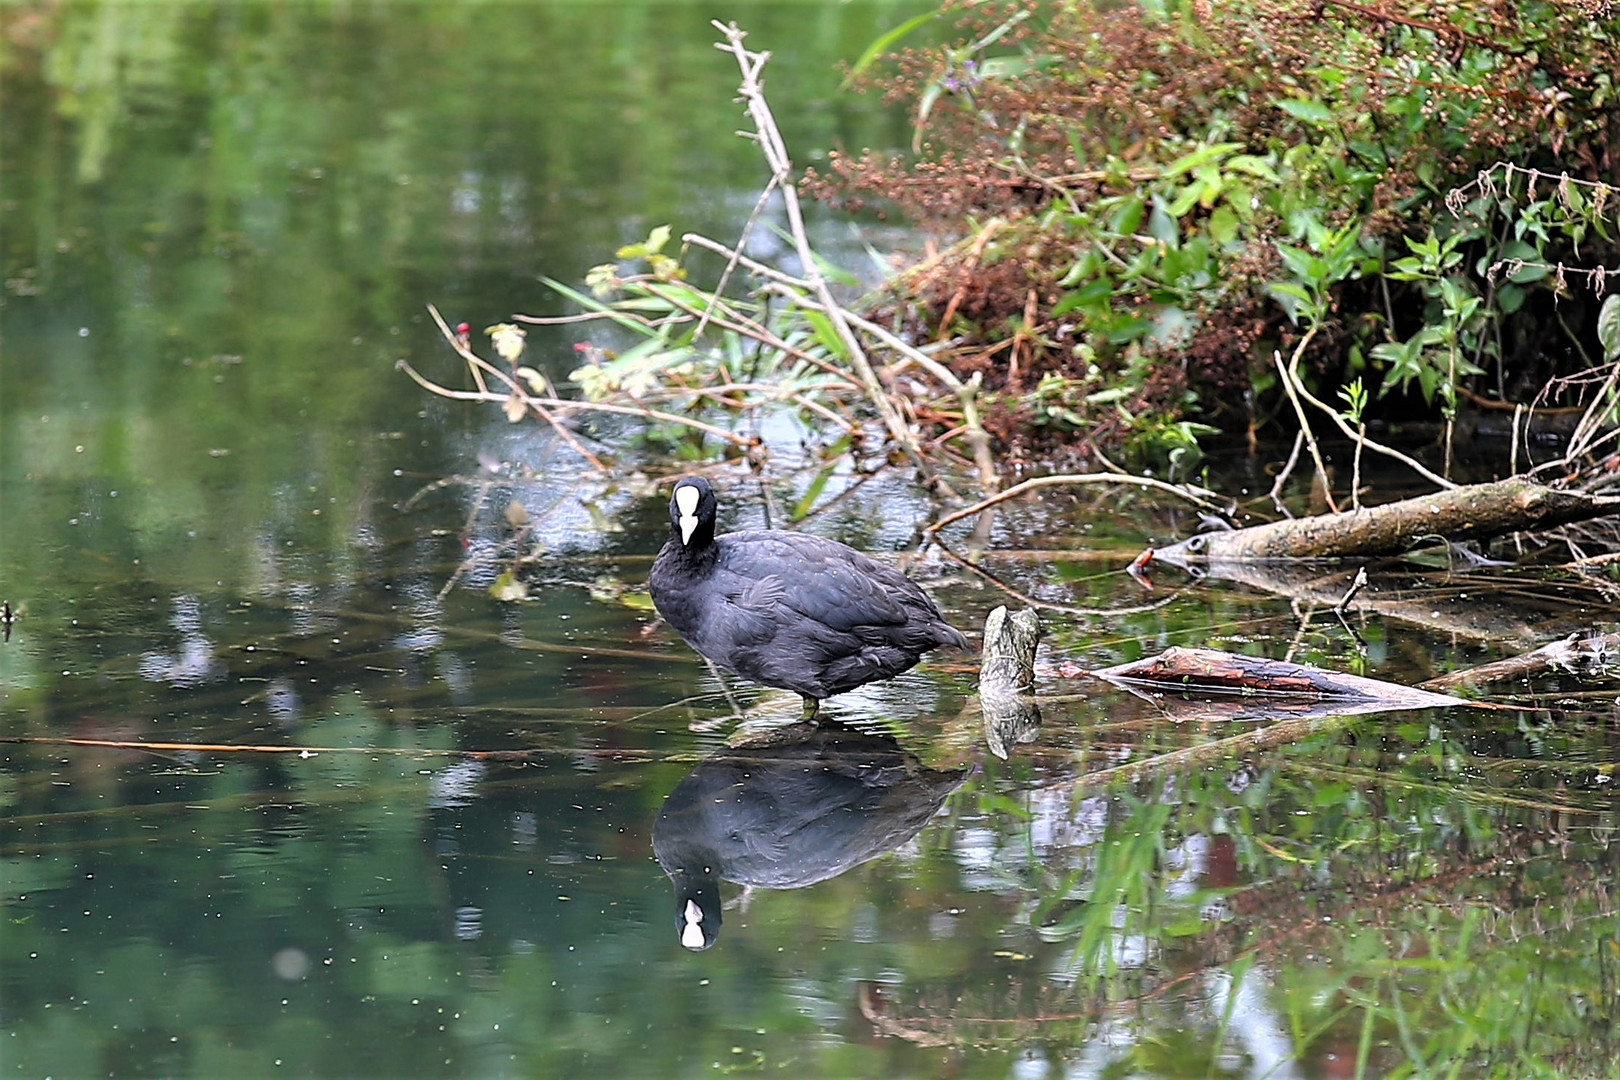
(1197, 173)
(1609, 329)
(1354, 396)
(690, 348)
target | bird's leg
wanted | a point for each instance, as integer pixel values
(810, 706)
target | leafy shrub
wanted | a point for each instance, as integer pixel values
(1183, 187)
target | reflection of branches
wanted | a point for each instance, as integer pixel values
(1366, 923)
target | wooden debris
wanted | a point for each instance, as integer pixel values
(1463, 513)
(1184, 670)
(1590, 655)
(1007, 679)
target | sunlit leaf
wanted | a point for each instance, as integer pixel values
(1312, 112)
(1201, 156)
(514, 408)
(507, 339)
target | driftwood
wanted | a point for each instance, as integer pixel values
(1590, 655)
(1187, 670)
(1463, 513)
(1007, 679)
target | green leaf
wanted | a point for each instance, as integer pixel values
(1200, 156)
(1609, 328)
(817, 484)
(1162, 224)
(1223, 225)
(1302, 264)
(826, 333)
(1253, 166)
(1127, 217)
(1085, 267)
(1293, 299)
(884, 41)
(1088, 295)
(1129, 329)
(1007, 67)
(507, 588)
(1189, 197)
(1310, 111)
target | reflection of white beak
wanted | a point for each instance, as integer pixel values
(686, 500)
(692, 931)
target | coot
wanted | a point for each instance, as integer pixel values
(787, 609)
(800, 805)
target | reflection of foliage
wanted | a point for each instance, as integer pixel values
(1372, 912)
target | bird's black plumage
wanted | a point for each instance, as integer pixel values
(787, 609)
(801, 805)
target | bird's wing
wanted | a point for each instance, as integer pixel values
(822, 580)
(749, 612)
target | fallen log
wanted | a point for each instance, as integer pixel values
(1463, 513)
(1592, 656)
(1194, 670)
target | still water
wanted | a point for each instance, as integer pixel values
(379, 823)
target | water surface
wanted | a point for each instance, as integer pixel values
(287, 791)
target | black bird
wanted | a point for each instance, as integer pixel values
(799, 806)
(788, 609)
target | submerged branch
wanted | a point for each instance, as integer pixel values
(1591, 654)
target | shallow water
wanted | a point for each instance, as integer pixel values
(287, 791)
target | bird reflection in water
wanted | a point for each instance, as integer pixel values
(802, 805)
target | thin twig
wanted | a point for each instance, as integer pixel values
(1201, 496)
(1282, 476)
(1293, 388)
(771, 145)
(579, 406)
(1350, 433)
(474, 362)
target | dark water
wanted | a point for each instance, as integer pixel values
(382, 824)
